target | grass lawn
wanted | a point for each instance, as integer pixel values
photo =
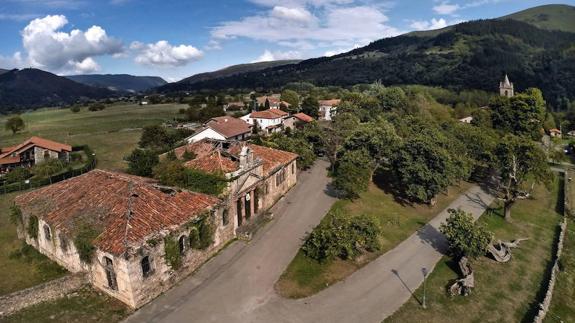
(85, 305)
(112, 133)
(28, 269)
(305, 276)
(507, 292)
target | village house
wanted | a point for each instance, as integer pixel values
(328, 109)
(31, 152)
(234, 106)
(555, 133)
(223, 128)
(258, 176)
(269, 121)
(134, 238)
(466, 119)
(274, 102)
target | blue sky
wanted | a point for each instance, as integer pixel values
(178, 38)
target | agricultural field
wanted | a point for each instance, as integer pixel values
(112, 133)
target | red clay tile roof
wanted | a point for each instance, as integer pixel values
(40, 142)
(330, 103)
(272, 100)
(303, 117)
(126, 209)
(229, 126)
(214, 163)
(10, 160)
(272, 158)
(199, 148)
(268, 114)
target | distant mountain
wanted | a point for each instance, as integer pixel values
(119, 82)
(549, 17)
(31, 88)
(228, 71)
(470, 55)
(2, 71)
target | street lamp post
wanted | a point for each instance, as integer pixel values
(424, 271)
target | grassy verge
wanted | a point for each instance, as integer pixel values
(86, 306)
(111, 133)
(305, 276)
(504, 292)
(20, 266)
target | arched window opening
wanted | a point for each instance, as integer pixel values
(182, 244)
(110, 273)
(47, 233)
(146, 266)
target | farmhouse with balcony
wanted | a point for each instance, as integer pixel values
(223, 128)
(31, 152)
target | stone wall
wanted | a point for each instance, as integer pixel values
(544, 305)
(51, 290)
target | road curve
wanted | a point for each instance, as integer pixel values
(237, 285)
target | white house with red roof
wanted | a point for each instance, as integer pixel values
(269, 121)
(328, 109)
(31, 152)
(223, 128)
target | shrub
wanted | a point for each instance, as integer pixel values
(141, 162)
(75, 108)
(172, 253)
(341, 236)
(465, 237)
(97, 107)
(33, 227)
(48, 167)
(15, 215)
(18, 174)
(84, 242)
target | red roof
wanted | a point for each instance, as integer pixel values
(268, 114)
(229, 126)
(272, 100)
(126, 209)
(39, 142)
(214, 163)
(272, 159)
(303, 117)
(330, 103)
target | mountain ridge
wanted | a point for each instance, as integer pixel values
(119, 82)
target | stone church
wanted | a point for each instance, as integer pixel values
(506, 88)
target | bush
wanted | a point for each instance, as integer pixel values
(96, 107)
(15, 215)
(75, 108)
(48, 168)
(33, 227)
(341, 236)
(18, 174)
(142, 162)
(465, 237)
(172, 253)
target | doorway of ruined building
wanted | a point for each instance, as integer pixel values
(110, 273)
(239, 207)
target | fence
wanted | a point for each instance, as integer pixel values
(91, 163)
(544, 305)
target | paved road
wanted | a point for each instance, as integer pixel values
(237, 285)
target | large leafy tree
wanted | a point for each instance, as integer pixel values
(517, 161)
(310, 106)
(522, 115)
(15, 124)
(378, 137)
(353, 173)
(292, 98)
(424, 169)
(465, 238)
(141, 162)
(335, 136)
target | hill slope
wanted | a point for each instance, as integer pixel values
(469, 55)
(119, 82)
(225, 72)
(29, 88)
(2, 71)
(549, 17)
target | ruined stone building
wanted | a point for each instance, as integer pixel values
(134, 238)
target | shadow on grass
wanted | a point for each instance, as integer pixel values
(387, 182)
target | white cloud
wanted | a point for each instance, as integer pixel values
(427, 25)
(14, 61)
(446, 8)
(163, 54)
(344, 25)
(50, 48)
(338, 51)
(17, 17)
(269, 56)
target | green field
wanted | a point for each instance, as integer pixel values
(111, 133)
(506, 292)
(305, 276)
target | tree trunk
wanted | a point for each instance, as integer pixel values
(507, 210)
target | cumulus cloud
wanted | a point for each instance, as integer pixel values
(446, 8)
(50, 48)
(269, 56)
(427, 25)
(163, 54)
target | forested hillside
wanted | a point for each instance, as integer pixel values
(471, 55)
